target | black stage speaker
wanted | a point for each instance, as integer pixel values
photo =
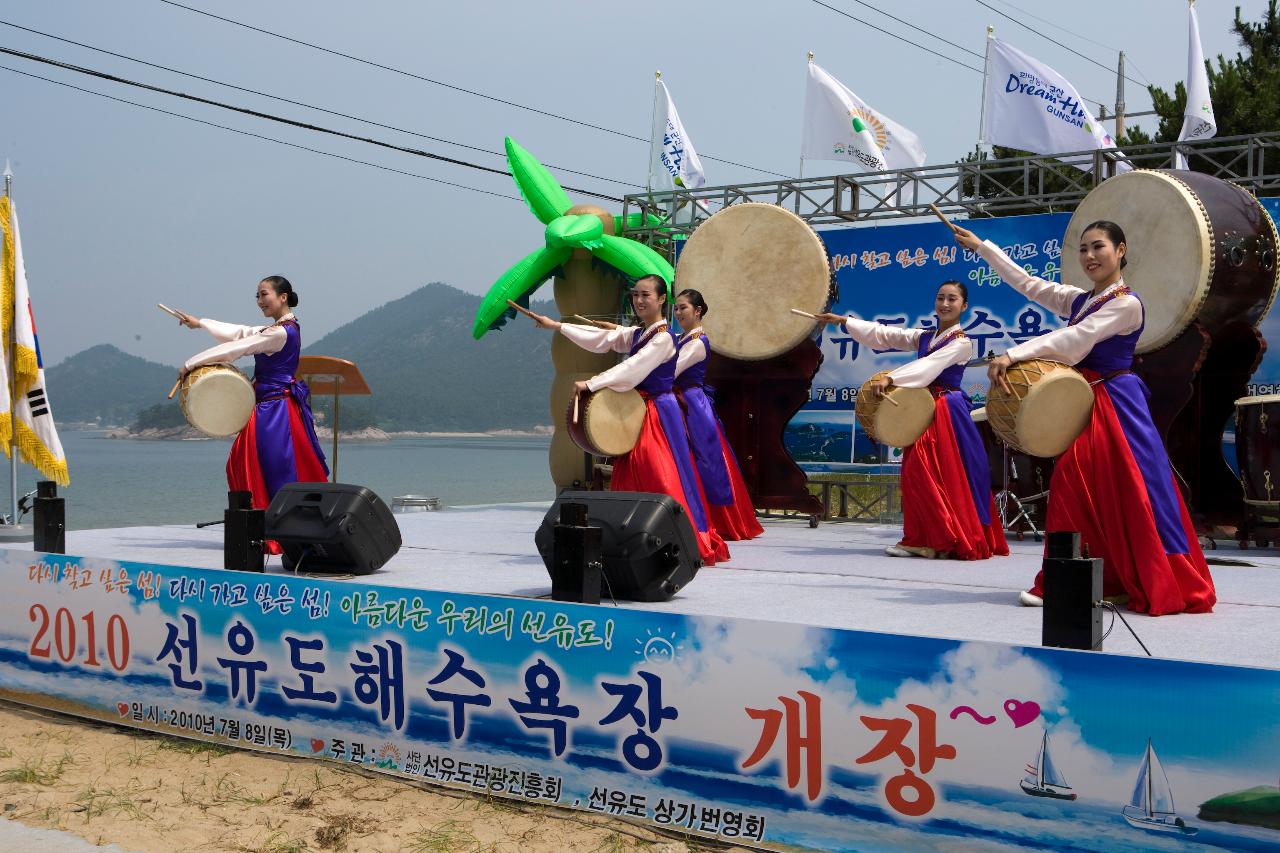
(1072, 588)
(575, 565)
(332, 527)
(648, 547)
(243, 534)
(50, 519)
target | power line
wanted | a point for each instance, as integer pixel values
(445, 85)
(1055, 41)
(1058, 26)
(256, 135)
(102, 75)
(921, 29)
(297, 103)
(878, 29)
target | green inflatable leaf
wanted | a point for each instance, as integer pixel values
(635, 259)
(516, 284)
(635, 220)
(582, 231)
(543, 193)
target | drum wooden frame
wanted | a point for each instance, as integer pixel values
(607, 422)
(217, 399)
(752, 262)
(1255, 462)
(895, 426)
(1050, 406)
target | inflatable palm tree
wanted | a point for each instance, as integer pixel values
(590, 265)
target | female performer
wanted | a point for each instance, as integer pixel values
(947, 506)
(278, 445)
(660, 461)
(732, 513)
(1114, 484)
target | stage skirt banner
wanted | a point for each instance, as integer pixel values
(890, 274)
(775, 735)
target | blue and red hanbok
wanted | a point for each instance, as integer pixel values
(728, 501)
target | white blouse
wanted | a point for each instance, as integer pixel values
(1070, 344)
(630, 372)
(922, 371)
(691, 353)
(239, 341)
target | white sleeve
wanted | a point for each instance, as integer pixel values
(1056, 297)
(269, 340)
(599, 340)
(690, 354)
(880, 336)
(922, 371)
(1069, 344)
(223, 332)
(630, 372)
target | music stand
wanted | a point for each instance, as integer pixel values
(328, 375)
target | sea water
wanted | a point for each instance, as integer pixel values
(126, 482)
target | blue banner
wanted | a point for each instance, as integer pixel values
(779, 735)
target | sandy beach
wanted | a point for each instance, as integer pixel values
(158, 794)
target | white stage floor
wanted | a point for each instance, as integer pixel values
(836, 576)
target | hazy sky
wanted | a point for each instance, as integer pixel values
(122, 207)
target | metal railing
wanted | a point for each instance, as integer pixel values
(979, 188)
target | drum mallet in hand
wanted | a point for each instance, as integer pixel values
(940, 215)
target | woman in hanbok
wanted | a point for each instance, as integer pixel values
(660, 462)
(948, 509)
(728, 501)
(278, 445)
(1114, 485)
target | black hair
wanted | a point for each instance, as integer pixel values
(695, 299)
(1113, 231)
(659, 284)
(964, 291)
(282, 287)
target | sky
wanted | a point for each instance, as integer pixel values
(121, 207)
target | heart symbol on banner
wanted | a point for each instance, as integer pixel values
(123, 708)
(1021, 712)
(317, 745)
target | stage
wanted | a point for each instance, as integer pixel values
(835, 576)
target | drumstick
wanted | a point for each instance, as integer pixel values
(804, 313)
(174, 389)
(576, 398)
(166, 309)
(595, 323)
(939, 214)
(525, 311)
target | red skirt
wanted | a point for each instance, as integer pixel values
(650, 467)
(937, 503)
(737, 521)
(1098, 490)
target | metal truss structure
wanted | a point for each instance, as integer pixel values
(986, 187)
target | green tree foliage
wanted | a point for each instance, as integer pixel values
(164, 415)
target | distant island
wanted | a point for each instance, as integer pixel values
(1258, 806)
(427, 373)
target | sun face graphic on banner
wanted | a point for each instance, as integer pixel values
(873, 124)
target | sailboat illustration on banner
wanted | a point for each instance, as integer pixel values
(1151, 806)
(1043, 779)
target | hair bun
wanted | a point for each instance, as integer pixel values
(293, 299)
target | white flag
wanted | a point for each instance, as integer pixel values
(838, 125)
(1033, 108)
(33, 428)
(675, 163)
(1198, 121)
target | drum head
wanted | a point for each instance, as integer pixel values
(1169, 248)
(895, 426)
(752, 263)
(1054, 413)
(979, 415)
(613, 420)
(217, 401)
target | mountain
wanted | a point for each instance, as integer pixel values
(106, 385)
(428, 373)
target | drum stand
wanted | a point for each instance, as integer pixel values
(1008, 502)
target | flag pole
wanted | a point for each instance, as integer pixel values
(982, 110)
(9, 347)
(653, 136)
(801, 175)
